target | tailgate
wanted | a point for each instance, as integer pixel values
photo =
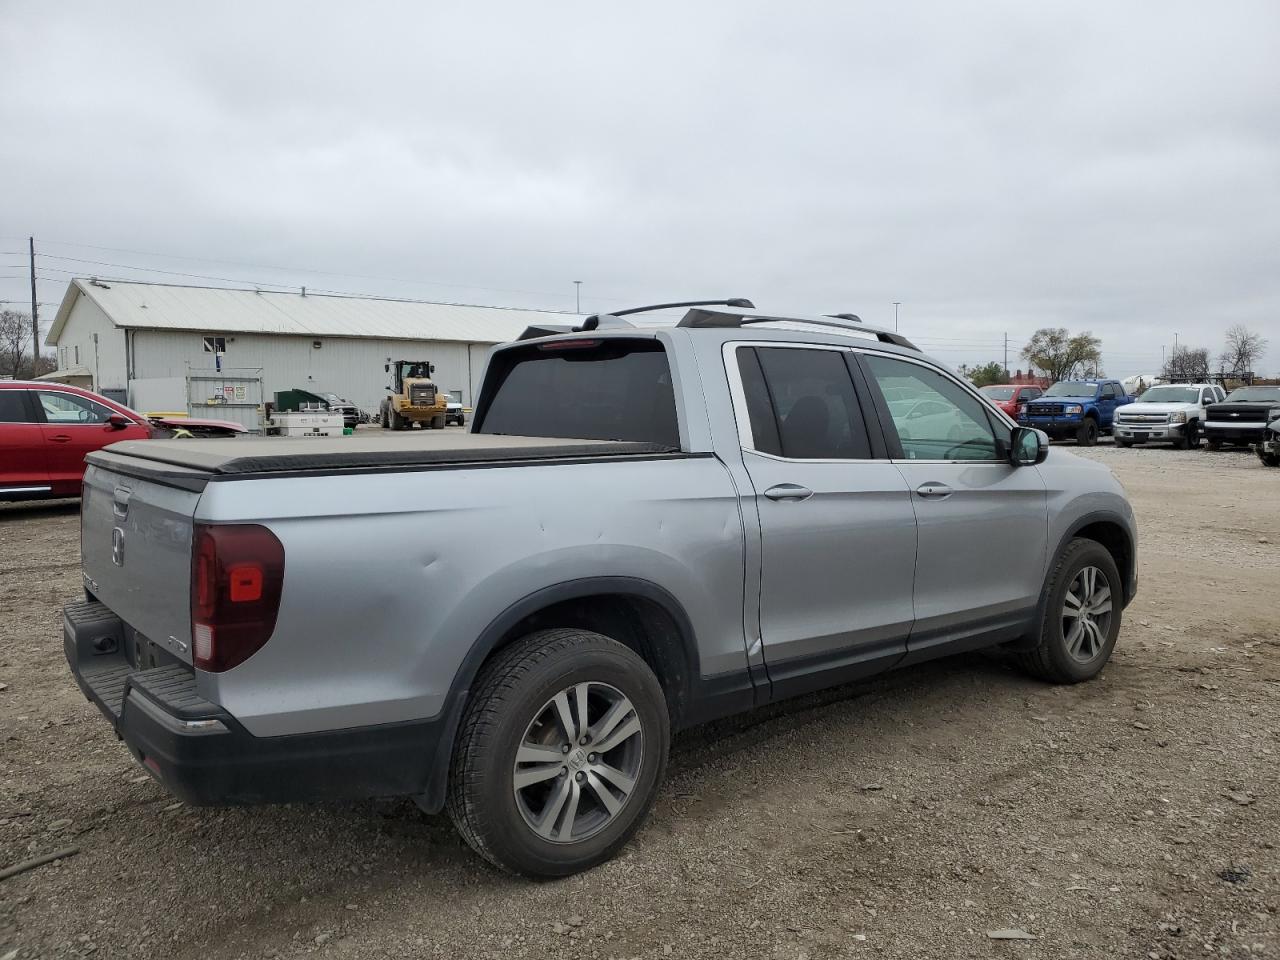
(135, 547)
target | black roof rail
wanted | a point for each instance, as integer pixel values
(593, 321)
(845, 316)
(710, 318)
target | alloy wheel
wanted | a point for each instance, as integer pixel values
(578, 762)
(1086, 614)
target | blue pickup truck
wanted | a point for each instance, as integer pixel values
(1082, 409)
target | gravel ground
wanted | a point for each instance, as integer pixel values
(909, 816)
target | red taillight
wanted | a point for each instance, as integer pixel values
(237, 571)
(569, 345)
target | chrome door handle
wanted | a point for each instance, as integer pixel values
(788, 491)
(934, 491)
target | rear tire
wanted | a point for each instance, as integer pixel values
(437, 423)
(515, 711)
(1087, 433)
(1269, 459)
(386, 422)
(1064, 655)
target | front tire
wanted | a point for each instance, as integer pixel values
(1081, 615)
(526, 790)
(1087, 433)
(1190, 439)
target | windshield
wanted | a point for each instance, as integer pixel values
(998, 393)
(414, 371)
(1170, 395)
(1255, 393)
(1072, 388)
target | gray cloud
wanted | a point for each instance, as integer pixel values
(1110, 166)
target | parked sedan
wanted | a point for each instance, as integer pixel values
(47, 428)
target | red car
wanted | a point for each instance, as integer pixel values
(47, 428)
(1010, 396)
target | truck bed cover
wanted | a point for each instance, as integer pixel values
(245, 456)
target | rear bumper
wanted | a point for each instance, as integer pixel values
(204, 756)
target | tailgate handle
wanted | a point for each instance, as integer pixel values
(120, 502)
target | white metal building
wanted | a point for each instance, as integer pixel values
(162, 347)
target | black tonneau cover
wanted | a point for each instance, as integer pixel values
(242, 456)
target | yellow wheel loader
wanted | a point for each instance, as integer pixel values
(414, 397)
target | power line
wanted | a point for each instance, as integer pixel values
(299, 270)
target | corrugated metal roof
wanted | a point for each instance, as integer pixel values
(216, 309)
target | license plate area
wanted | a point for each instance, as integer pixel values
(145, 654)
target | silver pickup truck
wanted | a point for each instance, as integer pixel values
(646, 527)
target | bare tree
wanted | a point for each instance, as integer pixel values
(1059, 353)
(1187, 365)
(1244, 349)
(15, 337)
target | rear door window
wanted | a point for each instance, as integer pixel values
(606, 389)
(801, 404)
(13, 407)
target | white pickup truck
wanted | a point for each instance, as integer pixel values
(1168, 413)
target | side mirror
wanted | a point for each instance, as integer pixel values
(386, 368)
(1028, 447)
(387, 387)
(118, 422)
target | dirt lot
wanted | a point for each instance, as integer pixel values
(1137, 815)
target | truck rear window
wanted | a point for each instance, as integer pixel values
(606, 389)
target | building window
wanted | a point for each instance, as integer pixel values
(215, 344)
(77, 354)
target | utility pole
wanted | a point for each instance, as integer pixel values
(35, 320)
(896, 305)
(1006, 354)
(577, 296)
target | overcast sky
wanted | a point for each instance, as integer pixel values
(996, 166)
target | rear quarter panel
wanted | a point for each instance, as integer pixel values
(391, 577)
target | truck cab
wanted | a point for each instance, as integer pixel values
(1083, 409)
